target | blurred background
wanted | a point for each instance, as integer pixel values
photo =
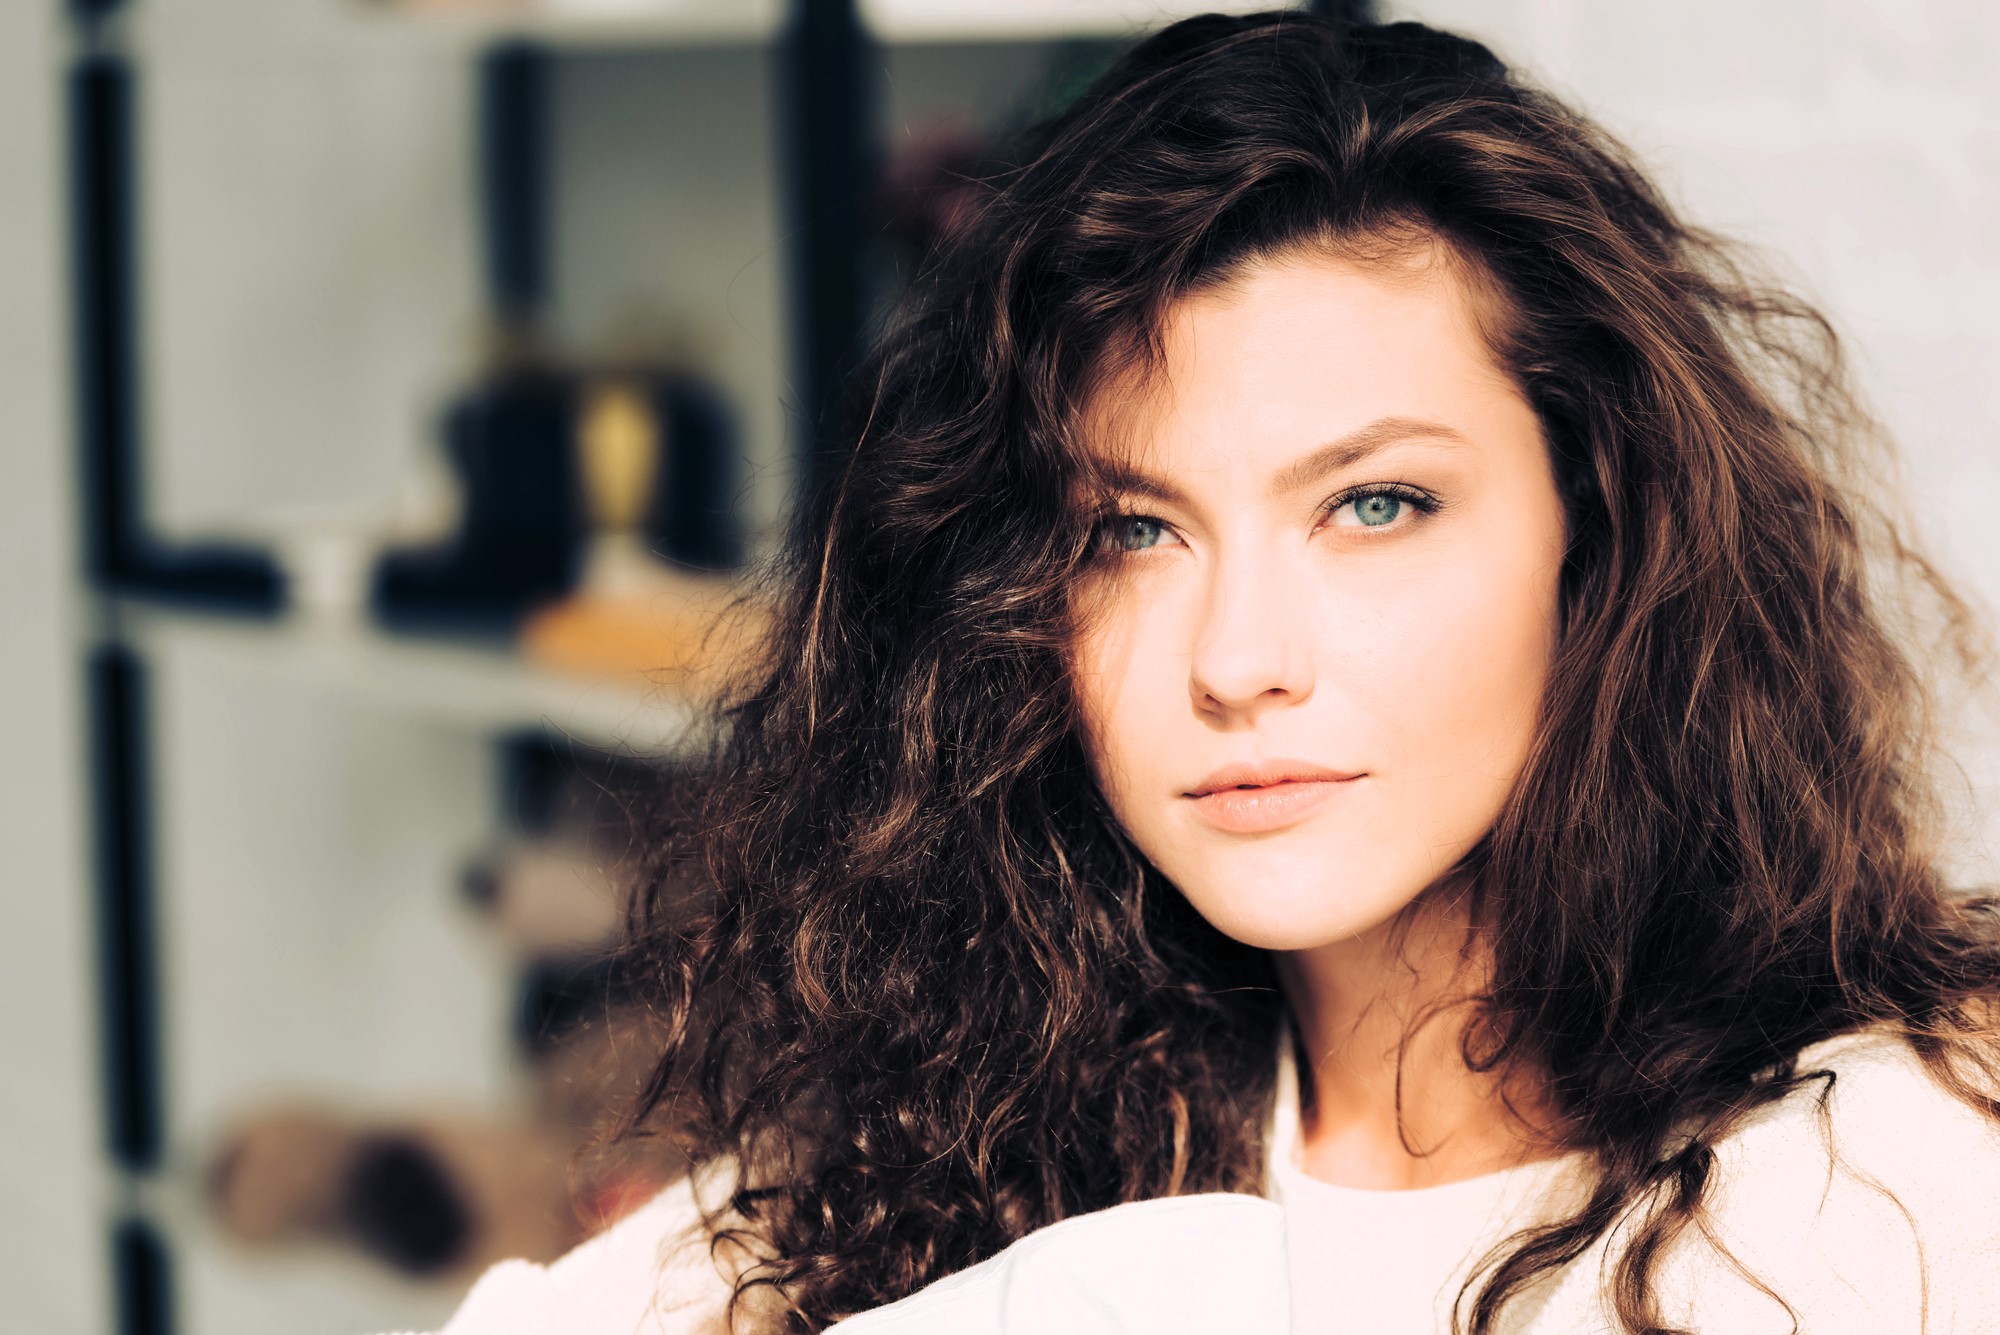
(391, 392)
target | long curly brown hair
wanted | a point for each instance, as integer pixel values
(935, 999)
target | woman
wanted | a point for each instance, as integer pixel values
(1328, 566)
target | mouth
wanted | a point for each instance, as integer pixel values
(1270, 774)
(1247, 800)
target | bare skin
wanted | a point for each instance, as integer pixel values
(1352, 1002)
(1311, 656)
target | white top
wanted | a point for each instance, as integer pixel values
(1340, 1259)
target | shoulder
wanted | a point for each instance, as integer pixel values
(1869, 1198)
(1875, 1116)
(1866, 1202)
(654, 1272)
(1203, 1262)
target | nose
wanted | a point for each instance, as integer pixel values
(1251, 650)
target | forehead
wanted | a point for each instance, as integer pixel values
(1289, 351)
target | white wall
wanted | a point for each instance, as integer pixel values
(54, 1265)
(309, 255)
(1858, 143)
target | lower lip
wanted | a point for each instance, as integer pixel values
(1273, 807)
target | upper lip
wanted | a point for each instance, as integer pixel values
(1266, 773)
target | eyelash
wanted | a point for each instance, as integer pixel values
(1415, 497)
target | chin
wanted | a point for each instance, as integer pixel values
(1274, 908)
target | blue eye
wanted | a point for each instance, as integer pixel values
(1381, 508)
(1132, 533)
(1377, 508)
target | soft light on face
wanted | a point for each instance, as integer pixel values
(1315, 638)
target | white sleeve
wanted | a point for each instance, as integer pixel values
(651, 1273)
(1901, 1234)
(1204, 1263)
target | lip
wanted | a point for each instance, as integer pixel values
(1253, 799)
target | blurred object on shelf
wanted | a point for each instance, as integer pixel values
(326, 553)
(569, 477)
(696, 518)
(657, 458)
(439, 1193)
(556, 884)
(934, 185)
(697, 636)
(620, 439)
(546, 897)
(954, 131)
(443, 1194)
(1073, 66)
(326, 567)
(511, 443)
(661, 470)
(431, 1195)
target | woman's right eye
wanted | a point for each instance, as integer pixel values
(1132, 533)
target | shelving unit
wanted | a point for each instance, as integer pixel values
(208, 863)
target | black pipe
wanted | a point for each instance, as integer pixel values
(514, 178)
(829, 165)
(127, 959)
(100, 108)
(90, 11)
(118, 553)
(142, 1280)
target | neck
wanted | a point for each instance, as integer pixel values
(1377, 1008)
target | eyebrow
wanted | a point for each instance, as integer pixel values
(1345, 452)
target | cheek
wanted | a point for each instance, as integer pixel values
(1455, 663)
(1446, 675)
(1116, 694)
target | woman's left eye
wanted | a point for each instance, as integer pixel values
(1378, 507)
(1132, 533)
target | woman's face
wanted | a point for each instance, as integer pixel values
(1315, 636)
